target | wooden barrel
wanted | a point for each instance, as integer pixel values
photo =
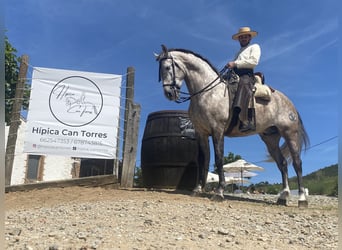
(169, 151)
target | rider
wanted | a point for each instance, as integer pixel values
(245, 60)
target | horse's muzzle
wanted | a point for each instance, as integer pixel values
(171, 93)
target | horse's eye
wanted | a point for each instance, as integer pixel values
(167, 68)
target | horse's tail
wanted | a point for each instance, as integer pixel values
(303, 141)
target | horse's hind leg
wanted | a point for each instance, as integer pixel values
(295, 149)
(272, 143)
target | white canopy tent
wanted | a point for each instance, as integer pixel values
(229, 179)
(245, 173)
(239, 167)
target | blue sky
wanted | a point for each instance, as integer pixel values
(298, 39)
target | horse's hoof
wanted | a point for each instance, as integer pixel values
(303, 204)
(197, 191)
(195, 194)
(217, 197)
(281, 202)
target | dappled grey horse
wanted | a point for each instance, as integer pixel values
(210, 113)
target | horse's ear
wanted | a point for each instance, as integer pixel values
(163, 54)
(156, 56)
(164, 49)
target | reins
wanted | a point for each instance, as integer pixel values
(209, 87)
(174, 86)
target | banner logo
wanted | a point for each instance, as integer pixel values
(75, 101)
(73, 113)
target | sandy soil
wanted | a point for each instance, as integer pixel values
(164, 219)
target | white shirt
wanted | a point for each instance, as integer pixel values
(248, 57)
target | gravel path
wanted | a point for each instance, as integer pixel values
(97, 218)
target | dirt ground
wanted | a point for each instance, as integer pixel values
(168, 219)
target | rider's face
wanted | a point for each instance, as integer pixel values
(244, 40)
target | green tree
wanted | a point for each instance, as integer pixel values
(11, 79)
(231, 157)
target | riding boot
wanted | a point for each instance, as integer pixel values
(250, 125)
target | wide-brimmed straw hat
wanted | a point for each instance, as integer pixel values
(244, 31)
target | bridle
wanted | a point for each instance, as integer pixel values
(173, 65)
(173, 85)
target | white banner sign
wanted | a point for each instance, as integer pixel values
(73, 113)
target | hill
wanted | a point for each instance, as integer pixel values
(321, 182)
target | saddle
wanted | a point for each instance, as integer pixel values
(261, 76)
(261, 90)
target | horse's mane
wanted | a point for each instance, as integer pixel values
(197, 55)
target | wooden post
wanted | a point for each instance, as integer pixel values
(131, 126)
(130, 149)
(15, 120)
(129, 100)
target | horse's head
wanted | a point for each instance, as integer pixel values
(170, 73)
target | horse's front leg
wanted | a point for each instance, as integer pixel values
(218, 141)
(203, 163)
